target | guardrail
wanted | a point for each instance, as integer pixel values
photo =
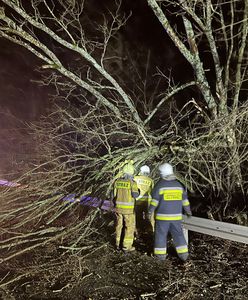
(232, 232)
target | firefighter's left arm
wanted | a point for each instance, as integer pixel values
(186, 204)
(113, 195)
(152, 185)
(154, 200)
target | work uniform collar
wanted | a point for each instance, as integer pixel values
(128, 176)
(170, 177)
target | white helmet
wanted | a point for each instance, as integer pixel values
(144, 170)
(165, 170)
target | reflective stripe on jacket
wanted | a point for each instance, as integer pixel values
(125, 191)
(169, 197)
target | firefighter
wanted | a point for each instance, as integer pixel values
(125, 192)
(169, 198)
(145, 185)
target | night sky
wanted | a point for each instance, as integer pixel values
(19, 94)
(19, 69)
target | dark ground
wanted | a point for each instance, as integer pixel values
(217, 269)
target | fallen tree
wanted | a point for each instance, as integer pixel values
(96, 124)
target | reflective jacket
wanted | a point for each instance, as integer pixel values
(169, 197)
(125, 192)
(145, 185)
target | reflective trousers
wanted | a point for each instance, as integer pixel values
(125, 228)
(162, 228)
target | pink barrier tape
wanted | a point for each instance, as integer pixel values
(9, 183)
(89, 201)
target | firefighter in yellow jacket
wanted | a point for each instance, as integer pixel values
(125, 192)
(145, 185)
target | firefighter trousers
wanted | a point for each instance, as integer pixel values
(143, 225)
(125, 228)
(162, 228)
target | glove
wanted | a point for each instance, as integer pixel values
(189, 214)
(148, 216)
